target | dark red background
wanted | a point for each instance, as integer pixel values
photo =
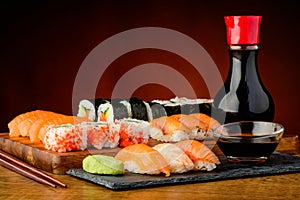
(44, 43)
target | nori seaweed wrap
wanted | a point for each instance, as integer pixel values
(172, 108)
(204, 108)
(189, 106)
(139, 109)
(120, 110)
(157, 110)
(111, 109)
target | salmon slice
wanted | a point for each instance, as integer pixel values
(202, 157)
(168, 125)
(25, 125)
(143, 159)
(168, 129)
(38, 124)
(190, 121)
(13, 124)
(178, 161)
(210, 122)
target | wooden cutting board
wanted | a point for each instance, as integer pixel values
(37, 156)
(59, 163)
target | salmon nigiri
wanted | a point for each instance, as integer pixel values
(178, 161)
(143, 159)
(26, 124)
(169, 129)
(190, 121)
(13, 125)
(210, 122)
(202, 157)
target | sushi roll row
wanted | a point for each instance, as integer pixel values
(109, 110)
(184, 105)
(96, 135)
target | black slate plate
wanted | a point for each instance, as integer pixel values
(278, 163)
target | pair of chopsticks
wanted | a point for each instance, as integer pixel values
(28, 171)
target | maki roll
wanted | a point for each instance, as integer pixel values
(105, 112)
(157, 110)
(88, 108)
(121, 108)
(64, 138)
(189, 106)
(96, 133)
(173, 108)
(149, 111)
(113, 109)
(100, 134)
(139, 109)
(133, 131)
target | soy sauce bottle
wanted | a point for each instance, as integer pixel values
(243, 95)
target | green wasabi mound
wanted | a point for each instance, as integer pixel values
(101, 164)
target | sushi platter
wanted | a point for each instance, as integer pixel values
(133, 129)
(59, 163)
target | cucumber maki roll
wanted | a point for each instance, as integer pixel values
(139, 109)
(105, 112)
(89, 107)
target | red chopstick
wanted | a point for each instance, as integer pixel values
(24, 169)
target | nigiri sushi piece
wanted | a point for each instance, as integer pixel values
(198, 127)
(190, 121)
(168, 129)
(200, 123)
(143, 159)
(178, 161)
(202, 157)
(210, 122)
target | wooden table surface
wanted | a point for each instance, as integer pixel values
(286, 186)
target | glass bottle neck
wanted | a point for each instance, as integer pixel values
(243, 65)
(243, 57)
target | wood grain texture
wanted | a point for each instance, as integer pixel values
(267, 187)
(58, 163)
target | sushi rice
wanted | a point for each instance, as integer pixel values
(87, 109)
(65, 138)
(133, 131)
(96, 135)
(105, 112)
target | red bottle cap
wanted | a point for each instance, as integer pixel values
(242, 29)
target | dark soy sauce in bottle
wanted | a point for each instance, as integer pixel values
(243, 96)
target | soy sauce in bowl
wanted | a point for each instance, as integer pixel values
(248, 141)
